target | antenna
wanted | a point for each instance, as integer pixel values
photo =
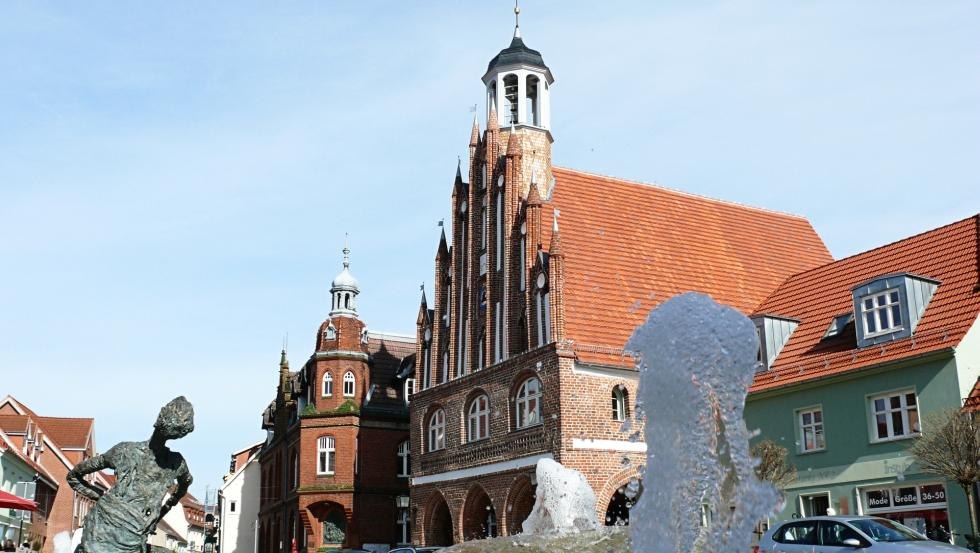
(517, 20)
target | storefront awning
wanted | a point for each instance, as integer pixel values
(11, 501)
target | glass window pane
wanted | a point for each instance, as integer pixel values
(879, 405)
(868, 304)
(896, 402)
(909, 399)
(807, 418)
(882, 425)
(914, 420)
(808, 439)
(869, 319)
(820, 439)
(818, 416)
(894, 296)
(896, 316)
(898, 426)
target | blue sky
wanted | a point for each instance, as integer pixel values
(176, 177)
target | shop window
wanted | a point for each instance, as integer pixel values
(895, 416)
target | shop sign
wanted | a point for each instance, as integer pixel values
(905, 497)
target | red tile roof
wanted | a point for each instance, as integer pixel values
(67, 432)
(13, 423)
(948, 254)
(629, 246)
(972, 402)
(6, 444)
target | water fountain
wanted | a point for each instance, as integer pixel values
(697, 360)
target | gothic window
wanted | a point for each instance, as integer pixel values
(497, 335)
(620, 403)
(327, 385)
(445, 367)
(523, 255)
(404, 460)
(500, 230)
(437, 430)
(528, 403)
(484, 221)
(349, 384)
(478, 419)
(326, 455)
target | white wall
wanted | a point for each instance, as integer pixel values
(968, 359)
(238, 528)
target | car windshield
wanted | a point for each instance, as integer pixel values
(882, 529)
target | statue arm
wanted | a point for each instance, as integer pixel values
(76, 476)
(184, 480)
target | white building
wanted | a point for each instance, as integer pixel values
(238, 503)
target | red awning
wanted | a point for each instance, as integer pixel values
(11, 501)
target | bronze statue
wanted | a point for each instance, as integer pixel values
(146, 472)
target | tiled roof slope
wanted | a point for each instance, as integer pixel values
(947, 254)
(67, 432)
(630, 246)
(972, 402)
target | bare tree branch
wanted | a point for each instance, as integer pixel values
(772, 465)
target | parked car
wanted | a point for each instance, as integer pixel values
(838, 534)
(412, 549)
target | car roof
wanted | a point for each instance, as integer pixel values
(838, 518)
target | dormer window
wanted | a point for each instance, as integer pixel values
(889, 307)
(881, 313)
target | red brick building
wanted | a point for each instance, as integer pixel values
(520, 355)
(54, 445)
(334, 470)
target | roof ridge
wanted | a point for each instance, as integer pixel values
(396, 336)
(684, 193)
(876, 248)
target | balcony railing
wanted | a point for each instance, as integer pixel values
(522, 443)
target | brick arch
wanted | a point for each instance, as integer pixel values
(437, 521)
(520, 501)
(612, 485)
(473, 514)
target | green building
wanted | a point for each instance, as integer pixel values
(854, 356)
(23, 477)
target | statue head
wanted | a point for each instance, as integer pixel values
(176, 419)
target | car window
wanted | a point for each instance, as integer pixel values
(884, 530)
(799, 533)
(834, 533)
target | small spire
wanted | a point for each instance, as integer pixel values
(475, 133)
(533, 196)
(517, 20)
(513, 143)
(492, 124)
(554, 249)
(346, 250)
(422, 288)
(443, 245)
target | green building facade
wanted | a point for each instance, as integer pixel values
(13, 470)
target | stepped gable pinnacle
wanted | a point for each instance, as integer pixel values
(533, 196)
(423, 302)
(554, 248)
(458, 181)
(475, 133)
(443, 246)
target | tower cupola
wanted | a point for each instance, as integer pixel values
(344, 290)
(518, 84)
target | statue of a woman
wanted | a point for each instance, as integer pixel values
(145, 473)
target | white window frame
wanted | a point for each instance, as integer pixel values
(404, 460)
(525, 416)
(478, 419)
(437, 430)
(481, 352)
(404, 526)
(497, 340)
(904, 408)
(351, 383)
(883, 315)
(326, 455)
(814, 427)
(326, 387)
(409, 389)
(445, 367)
(619, 404)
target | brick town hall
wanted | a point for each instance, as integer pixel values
(519, 355)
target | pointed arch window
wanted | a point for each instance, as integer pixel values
(326, 455)
(349, 384)
(500, 230)
(445, 367)
(327, 389)
(528, 403)
(620, 404)
(478, 419)
(481, 349)
(437, 430)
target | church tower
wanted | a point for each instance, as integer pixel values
(518, 101)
